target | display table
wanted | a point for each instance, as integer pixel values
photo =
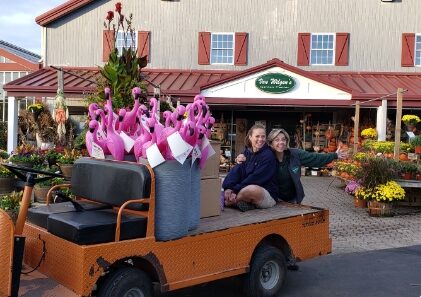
(413, 192)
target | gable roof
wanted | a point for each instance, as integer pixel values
(277, 63)
(60, 11)
(20, 52)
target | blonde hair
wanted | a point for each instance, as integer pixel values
(275, 133)
(250, 132)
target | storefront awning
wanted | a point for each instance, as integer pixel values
(185, 84)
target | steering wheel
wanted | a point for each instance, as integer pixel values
(29, 177)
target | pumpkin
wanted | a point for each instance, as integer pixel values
(403, 157)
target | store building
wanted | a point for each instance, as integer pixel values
(223, 49)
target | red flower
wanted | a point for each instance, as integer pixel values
(110, 16)
(118, 7)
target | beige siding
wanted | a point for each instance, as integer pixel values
(375, 30)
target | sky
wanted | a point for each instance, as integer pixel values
(17, 22)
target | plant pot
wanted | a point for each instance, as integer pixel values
(379, 209)
(66, 169)
(418, 149)
(7, 185)
(40, 194)
(360, 203)
(407, 175)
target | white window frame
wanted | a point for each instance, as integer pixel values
(333, 49)
(417, 51)
(212, 48)
(129, 40)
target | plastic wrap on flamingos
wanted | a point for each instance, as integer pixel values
(173, 183)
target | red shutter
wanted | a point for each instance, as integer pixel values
(303, 55)
(342, 49)
(241, 44)
(204, 48)
(107, 44)
(143, 44)
(408, 47)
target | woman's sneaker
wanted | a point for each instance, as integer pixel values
(245, 206)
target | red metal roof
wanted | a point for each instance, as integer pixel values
(81, 80)
(185, 84)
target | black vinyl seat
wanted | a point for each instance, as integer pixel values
(91, 227)
(39, 215)
(109, 183)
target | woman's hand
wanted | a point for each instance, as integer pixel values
(240, 159)
(342, 152)
(229, 197)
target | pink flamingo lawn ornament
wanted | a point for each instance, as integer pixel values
(153, 103)
(121, 116)
(209, 124)
(168, 131)
(109, 104)
(167, 116)
(101, 115)
(114, 142)
(129, 123)
(102, 143)
(89, 137)
(93, 107)
(151, 125)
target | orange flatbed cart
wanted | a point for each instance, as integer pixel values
(257, 243)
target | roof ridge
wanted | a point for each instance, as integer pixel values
(20, 49)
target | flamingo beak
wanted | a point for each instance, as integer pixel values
(91, 130)
(152, 129)
(120, 118)
(191, 130)
(97, 117)
(180, 117)
(201, 135)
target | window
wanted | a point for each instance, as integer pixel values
(125, 41)
(222, 48)
(418, 50)
(322, 49)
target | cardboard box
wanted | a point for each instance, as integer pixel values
(211, 169)
(210, 197)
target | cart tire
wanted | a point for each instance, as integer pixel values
(126, 282)
(267, 273)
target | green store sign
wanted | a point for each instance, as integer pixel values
(275, 83)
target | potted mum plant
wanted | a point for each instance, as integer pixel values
(26, 155)
(416, 144)
(408, 169)
(369, 133)
(376, 176)
(410, 121)
(41, 188)
(7, 180)
(10, 203)
(66, 161)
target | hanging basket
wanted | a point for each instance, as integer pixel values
(379, 209)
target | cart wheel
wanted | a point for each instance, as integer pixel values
(126, 282)
(267, 273)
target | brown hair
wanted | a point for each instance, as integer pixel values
(250, 132)
(274, 133)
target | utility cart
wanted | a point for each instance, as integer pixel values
(104, 244)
